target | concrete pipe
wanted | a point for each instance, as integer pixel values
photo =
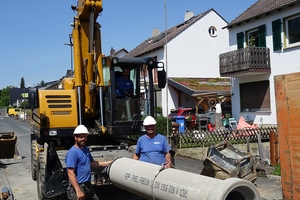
(151, 182)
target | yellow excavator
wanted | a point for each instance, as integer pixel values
(89, 97)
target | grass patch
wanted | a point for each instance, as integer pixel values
(277, 170)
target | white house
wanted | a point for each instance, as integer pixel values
(192, 51)
(120, 53)
(272, 28)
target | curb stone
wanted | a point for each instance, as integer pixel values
(274, 177)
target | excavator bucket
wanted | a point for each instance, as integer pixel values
(224, 161)
(9, 152)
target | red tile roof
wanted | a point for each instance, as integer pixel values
(261, 7)
(158, 41)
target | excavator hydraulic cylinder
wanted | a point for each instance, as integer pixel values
(154, 182)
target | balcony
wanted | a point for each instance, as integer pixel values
(246, 61)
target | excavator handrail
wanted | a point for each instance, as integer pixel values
(145, 60)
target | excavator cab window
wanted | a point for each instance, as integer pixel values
(126, 93)
(124, 112)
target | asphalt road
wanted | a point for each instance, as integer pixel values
(19, 179)
(19, 175)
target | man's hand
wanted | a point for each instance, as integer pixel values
(95, 163)
(73, 180)
(136, 156)
(80, 195)
(168, 165)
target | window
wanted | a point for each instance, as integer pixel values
(253, 38)
(189, 112)
(255, 96)
(257, 37)
(212, 31)
(292, 31)
(106, 74)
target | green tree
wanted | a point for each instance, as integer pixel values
(4, 102)
(158, 110)
(42, 83)
(4, 96)
(26, 105)
(22, 84)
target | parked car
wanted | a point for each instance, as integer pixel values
(186, 112)
(13, 111)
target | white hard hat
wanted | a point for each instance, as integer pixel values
(149, 121)
(81, 129)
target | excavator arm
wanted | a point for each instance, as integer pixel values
(88, 69)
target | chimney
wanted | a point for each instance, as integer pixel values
(188, 15)
(112, 51)
(155, 32)
(68, 72)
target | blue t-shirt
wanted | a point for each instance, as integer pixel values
(152, 150)
(123, 85)
(80, 159)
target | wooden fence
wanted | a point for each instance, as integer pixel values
(189, 139)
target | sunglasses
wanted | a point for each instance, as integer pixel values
(150, 126)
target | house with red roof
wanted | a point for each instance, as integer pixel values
(189, 50)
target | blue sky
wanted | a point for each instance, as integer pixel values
(33, 33)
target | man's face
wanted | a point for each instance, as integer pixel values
(81, 139)
(150, 129)
(125, 74)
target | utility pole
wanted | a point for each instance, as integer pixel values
(24, 102)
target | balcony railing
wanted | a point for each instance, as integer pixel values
(246, 60)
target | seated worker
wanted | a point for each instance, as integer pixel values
(124, 84)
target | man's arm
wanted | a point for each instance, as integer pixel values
(136, 156)
(168, 160)
(73, 180)
(96, 163)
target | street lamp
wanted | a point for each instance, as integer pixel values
(71, 45)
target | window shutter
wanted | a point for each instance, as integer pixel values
(240, 40)
(276, 29)
(262, 35)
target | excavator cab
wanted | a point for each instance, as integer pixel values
(125, 107)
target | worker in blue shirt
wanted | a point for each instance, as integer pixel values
(79, 162)
(152, 147)
(124, 84)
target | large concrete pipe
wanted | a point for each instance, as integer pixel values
(151, 182)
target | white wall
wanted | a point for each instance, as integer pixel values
(282, 61)
(194, 53)
(121, 53)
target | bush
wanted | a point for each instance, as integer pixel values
(276, 170)
(26, 105)
(161, 125)
(158, 110)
